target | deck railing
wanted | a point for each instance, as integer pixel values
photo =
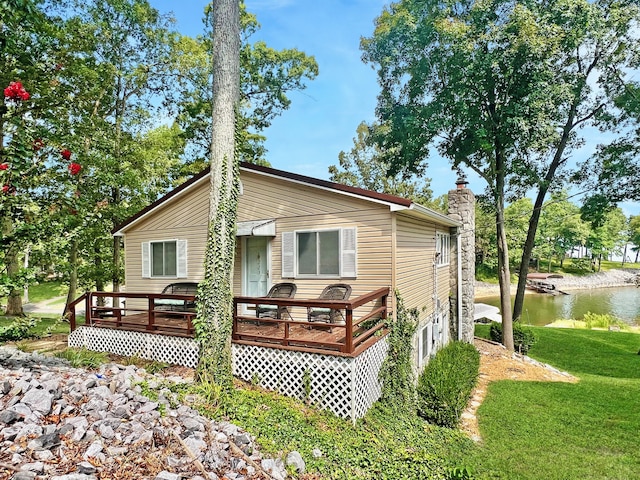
(350, 337)
(163, 314)
(157, 313)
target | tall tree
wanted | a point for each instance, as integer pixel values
(364, 167)
(215, 313)
(502, 88)
(267, 76)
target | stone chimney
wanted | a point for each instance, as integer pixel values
(463, 269)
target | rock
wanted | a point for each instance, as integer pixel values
(24, 475)
(9, 416)
(86, 468)
(39, 400)
(295, 459)
(164, 475)
(317, 453)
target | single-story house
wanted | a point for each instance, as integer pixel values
(311, 233)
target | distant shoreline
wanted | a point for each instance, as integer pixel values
(617, 277)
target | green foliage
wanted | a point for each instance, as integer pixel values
(19, 329)
(396, 373)
(606, 320)
(363, 167)
(83, 358)
(523, 337)
(445, 385)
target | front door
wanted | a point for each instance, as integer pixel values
(256, 261)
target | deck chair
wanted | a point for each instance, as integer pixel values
(279, 290)
(180, 288)
(336, 291)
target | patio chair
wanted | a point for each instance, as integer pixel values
(336, 291)
(279, 290)
(179, 288)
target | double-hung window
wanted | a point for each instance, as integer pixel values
(443, 248)
(327, 253)
(166, 258)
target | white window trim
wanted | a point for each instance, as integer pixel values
(181, 259)
(347, 254)
(443, 256)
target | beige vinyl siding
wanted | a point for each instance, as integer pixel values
(293, 207)
(184, 219)
(415, 253)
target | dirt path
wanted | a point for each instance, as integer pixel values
(497, 364)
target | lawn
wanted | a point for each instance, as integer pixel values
(588, 430)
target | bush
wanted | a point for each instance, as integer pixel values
(523, 337)
(19, 329)
(445, 385)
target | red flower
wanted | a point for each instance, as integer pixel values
(66, 154)
(5, 188)
(4, 166)
(15, 91)
(38, 143)
(74, 168)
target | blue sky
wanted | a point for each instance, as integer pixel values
(322, 119)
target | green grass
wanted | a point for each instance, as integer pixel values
(588, 430)
(47, 290)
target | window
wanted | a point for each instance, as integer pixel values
(163, 259)
(167, 258)
(443, 248)
(426, 341)
(319, 253)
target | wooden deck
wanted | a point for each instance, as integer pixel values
(350, 338)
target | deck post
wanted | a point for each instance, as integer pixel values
(88, 304)
(349, 331)
(152, 314)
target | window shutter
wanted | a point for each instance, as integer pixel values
(348, 257)
(288, 255)
(146, 260)
(181, 257)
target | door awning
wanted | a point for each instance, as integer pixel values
(257, 228)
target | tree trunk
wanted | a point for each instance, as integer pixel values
(637, 253)
(12, 264)
(215, 295)
(624, 254)
(73, 274)
(504, 277)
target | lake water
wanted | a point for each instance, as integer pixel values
(541, 309)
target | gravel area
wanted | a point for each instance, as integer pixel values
(618, 277)
(64, 423)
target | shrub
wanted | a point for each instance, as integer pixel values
(523, 337)
(445, 385)
(19, 329)
(605, 320)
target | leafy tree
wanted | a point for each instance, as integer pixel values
(363, 167)
(608, 237)
(560, 228)
(215, 316)
(502, 88)
(267, 76)
(28, 155)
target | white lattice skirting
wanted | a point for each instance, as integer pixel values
(163, 348)
(344, 385)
